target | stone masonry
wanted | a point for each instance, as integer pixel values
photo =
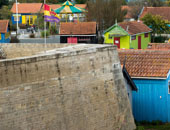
(77, 87)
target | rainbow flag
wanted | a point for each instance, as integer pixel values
(50, 15)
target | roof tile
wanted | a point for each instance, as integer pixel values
(78, 28)
(134, 27)
(146, 63)
(3, 26)
(162, 11)
(37, 7)
(27, 7)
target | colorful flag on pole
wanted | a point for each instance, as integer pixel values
(50, 15)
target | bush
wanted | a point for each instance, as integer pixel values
(43, 34)
(14, 39)
(101, 40)
(32, 35)
(159, 39)
(13, 28)
(140, 128)
(156, 122)
(53, 30)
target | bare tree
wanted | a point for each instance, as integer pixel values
(105, 12)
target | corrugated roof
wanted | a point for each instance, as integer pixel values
(27, 7)
(134, 27)
(80, 28)
(162, 11)
(4, 26)
(146, 63)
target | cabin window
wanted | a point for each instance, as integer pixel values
(15, 18)
(133, 37)
(146, 34)
(169, 87)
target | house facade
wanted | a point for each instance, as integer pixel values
(82, 32)
(4, 31)
(149, 70)
(128, 35)
(27, 12)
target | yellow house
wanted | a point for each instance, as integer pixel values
(128, 35)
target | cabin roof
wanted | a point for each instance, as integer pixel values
(146, 63)
(160, 46)
(78, 28)
(4, 26)
(37, 7)
(27, 7)
(132, 27)
(162, 11)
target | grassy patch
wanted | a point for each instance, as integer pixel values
(154, 127)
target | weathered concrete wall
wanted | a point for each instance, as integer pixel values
(14, 50)
(72, 88)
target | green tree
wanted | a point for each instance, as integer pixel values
(30, 1)
(158, 25)
(154, 3)
(40, 21)
(55, 1)
(167, 2)
(5, 13)
(81, 1)
(105, 12)
(4, 2)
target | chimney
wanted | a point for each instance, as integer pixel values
(127, 28)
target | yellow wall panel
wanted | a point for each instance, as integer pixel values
(23, 19)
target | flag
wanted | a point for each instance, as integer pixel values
(50, 15)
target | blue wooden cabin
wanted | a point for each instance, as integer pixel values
(27, 13)
(4, 31)
(130, 85)
(149, 70)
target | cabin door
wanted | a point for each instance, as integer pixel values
(117, 41)
(139, 42)
(72, 40)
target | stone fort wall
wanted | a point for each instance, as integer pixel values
(77, 87)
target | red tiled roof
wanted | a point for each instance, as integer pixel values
(134, 27)
(162, 11)
(36, 7)
(3, 26)
(81, 5)
(160, 46)
(146, 63)
(27, 7)
(78, 28)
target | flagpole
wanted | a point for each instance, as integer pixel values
(45, 33)
(17, 16)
